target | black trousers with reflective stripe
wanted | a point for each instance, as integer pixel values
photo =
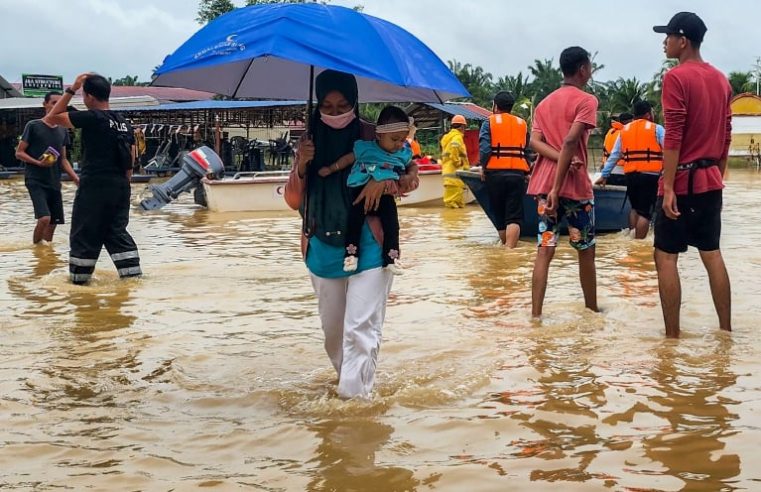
(100, 218)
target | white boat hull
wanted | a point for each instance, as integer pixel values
(246, 194)
(263, 193)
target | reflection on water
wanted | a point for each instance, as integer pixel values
(346, 458)
(690, 386)
(209, 371)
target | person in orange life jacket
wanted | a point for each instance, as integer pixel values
(502, 144)
(698, 119)
(640, 146)
(412, 142)
(616, 175)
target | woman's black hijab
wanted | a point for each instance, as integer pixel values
(328, 199)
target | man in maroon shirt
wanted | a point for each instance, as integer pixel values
(697, 118)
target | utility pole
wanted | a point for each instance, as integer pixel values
(758, 73)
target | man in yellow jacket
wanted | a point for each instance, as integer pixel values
(454, 156)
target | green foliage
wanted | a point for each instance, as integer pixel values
(371, 111)
(742, 82)
(544, 77)
(620, 95)
(208, 10)
(265, 2)
(547, 78)
(475, 79)
(130, 80)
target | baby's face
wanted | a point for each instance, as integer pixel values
(392, 142)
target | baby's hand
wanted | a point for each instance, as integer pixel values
(324, 171)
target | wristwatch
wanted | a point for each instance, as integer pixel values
(69, 91)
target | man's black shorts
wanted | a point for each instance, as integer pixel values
(616, 180)
(698, 225)
(642, 190)
(506, 191)
(47, 202)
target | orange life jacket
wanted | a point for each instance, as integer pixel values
(610, 142)
(508, 142)
(640, 148)
(414, 147)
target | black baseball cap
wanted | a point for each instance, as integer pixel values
(686, 24)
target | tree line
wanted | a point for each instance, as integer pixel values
(529, 87)
(544, 76)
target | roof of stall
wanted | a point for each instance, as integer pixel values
(430, 114)
(8, 90)
(215, 105)
(115, 103)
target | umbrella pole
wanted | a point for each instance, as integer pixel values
(309, 100)
(307, 129)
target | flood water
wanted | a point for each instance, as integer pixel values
(210, 372)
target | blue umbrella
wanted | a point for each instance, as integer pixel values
(273, 51)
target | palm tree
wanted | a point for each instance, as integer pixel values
(475, 79)
(621, 94)
(741, 82)
(667, 65)
(520, 87)
(517, 85)
(127, 80)
(208, 10)
(547, 78)
(656, 85)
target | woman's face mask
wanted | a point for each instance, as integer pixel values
(336, 111)
(339, 121)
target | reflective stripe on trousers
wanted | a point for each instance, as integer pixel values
(124, 256)
(81, 269)
(129, 271)
(80, 278)
(99, 218)
(83, 262)
(352, 310)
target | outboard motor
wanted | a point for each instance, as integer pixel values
(199, 163)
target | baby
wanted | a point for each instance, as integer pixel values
(385, 158)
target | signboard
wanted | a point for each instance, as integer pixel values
(39, 85)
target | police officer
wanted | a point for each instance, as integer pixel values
(101, 205)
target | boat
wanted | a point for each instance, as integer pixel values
(262, 191)
(611, 206)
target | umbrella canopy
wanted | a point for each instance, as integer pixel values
(266, 51)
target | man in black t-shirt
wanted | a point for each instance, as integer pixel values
(43, 149)
(101, 206)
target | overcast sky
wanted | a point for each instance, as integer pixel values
(131, 37)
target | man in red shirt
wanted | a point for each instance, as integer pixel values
(560, 182)
(698, 123)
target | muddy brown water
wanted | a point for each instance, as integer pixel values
(209, 371)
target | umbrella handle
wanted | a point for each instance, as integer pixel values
(305, 220)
